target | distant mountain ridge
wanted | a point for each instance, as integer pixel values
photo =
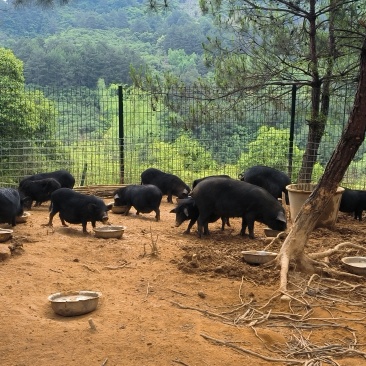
(87, 40)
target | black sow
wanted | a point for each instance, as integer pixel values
(169, 184)
(144, 198)
(353, 201)
(77, 208)
(188, 210)
(65, 179)
(196, 181)
(231, 198)
(38, 190)
(10, 205)
(272, 180)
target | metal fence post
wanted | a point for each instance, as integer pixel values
(121, 135)
(292, 131)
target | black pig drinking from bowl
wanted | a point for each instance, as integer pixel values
(10, 205)
(38, 190)
(78, 208)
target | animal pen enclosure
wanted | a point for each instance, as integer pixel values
(109, 136)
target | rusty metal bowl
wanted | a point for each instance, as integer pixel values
(355, 265)
(109, 231)
(74, 303)
(258, 256)
(5, 234)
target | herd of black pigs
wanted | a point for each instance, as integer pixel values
(254, 196)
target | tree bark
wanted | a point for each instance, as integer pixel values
(316, 122)
(353, 135)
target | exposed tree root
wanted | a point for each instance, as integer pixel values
(337, 249)
(336, 301)
(256, 354)
(310, 264)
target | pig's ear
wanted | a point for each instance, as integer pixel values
(174, 210)
(185, 211)
(281, 217)
(91, 206)
(109, 206)
(116, 196)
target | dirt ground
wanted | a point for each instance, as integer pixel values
(194, 303)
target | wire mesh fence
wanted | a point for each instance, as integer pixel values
(109, 136)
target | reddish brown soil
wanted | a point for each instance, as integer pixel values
(163, 309)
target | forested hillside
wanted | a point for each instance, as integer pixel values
(87, 40)
(76, 55)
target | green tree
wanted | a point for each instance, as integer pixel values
(24, 115)
(13, 104)
(293, 249)
(275, 154)
(308, 43)
(40, 2)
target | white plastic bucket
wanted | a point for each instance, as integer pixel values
(299, 193)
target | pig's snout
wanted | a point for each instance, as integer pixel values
(105, 220)
(178, 223)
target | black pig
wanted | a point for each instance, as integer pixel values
(77, 208)
(272, 180)
(169, 184)
(188, 210)
(144, 198)
(224, 197)
(65, 179)
(10, 205)
(196, 181)
(38, 190)
(353, 201)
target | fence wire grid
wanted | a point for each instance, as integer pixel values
(109, 136)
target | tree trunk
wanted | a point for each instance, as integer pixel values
(315, 134)
(316, 123)
(320, 93)
(353, 135)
